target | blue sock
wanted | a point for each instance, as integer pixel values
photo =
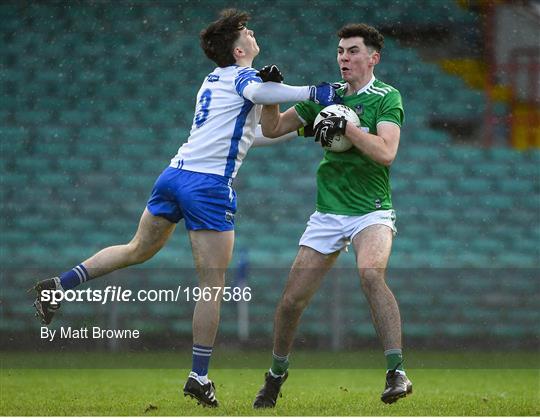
(74, 277)
(201, 359)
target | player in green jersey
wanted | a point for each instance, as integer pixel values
(354, 205)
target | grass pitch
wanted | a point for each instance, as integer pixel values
(308, 391)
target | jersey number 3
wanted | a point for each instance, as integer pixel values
(203, 105)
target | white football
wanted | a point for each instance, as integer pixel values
(339, 143)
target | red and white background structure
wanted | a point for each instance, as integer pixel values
(512, 59)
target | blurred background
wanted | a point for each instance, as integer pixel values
(97, 96)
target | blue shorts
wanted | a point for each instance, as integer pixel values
(205, 201)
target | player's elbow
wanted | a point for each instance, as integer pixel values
(387, 155)
(269, 132)
(387, 161)
(386, 158)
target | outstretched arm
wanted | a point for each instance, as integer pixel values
(272, 93)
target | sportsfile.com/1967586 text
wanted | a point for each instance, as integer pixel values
(118, 294)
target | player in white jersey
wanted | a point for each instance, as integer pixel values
(197, 186)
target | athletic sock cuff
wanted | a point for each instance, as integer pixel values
(275, 374)
(280, 358)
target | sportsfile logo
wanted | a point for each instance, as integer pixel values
(119, 294)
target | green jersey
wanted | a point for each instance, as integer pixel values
(351, 183)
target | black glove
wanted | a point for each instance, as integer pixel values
(306, 131)
(327, 128)
(270, 73)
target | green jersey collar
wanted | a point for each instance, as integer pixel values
(343, 89)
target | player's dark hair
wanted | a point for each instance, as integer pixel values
(372, 37)
(217, 40)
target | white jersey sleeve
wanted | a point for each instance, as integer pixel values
(224, 123)
(271, 93)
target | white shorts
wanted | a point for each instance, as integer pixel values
(328, 233)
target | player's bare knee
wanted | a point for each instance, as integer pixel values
(292, 304)
(372, 278)
(139, 253)
(211, 277)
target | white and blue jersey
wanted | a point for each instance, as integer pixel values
(197, 186)
(224, 124)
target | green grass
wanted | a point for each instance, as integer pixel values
(234, 359)
(308, 391)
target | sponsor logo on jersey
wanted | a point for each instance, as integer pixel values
(359, 109)
(212, 78)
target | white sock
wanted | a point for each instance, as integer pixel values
(274, 375)
(401, 372)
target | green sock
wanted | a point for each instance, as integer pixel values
(280, 364)
(394, 359)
